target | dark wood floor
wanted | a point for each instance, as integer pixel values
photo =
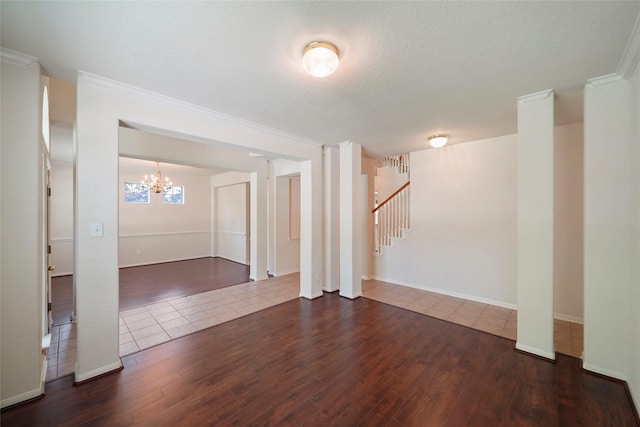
(333, 361)
(158, 282)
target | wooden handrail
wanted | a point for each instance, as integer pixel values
(405, 185)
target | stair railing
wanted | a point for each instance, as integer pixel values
(391, 217)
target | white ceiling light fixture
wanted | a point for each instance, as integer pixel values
(438, 141)
(320, 59)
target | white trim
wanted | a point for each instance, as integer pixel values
(537, 96)
(284, 273)
(139, 264)
(631, 55)
(634, 396)
(237, 233)
(21, 397)
(449, 293)
(358, 295)
(16, 58)
(604, 80)
(314, 296)
(602, 371)
(62, 273)
(97, 372)
(536, 351)
(163, 234)
(364, 277)
(186, 106)
(62, 240)
(32, 394)
(568, 318)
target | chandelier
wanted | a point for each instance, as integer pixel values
(155, 182)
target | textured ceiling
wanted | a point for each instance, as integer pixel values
(407, 70)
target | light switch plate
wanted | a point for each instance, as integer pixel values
(96, 230)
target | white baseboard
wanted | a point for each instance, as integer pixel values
(603, 371)
(31, 394)
(354, 296)
(97, 372)
(284, 273)
(449, 293)
(635, 397)
(312, 296)
(536, 351)
(62, 273)
(140, 264)
(568, 318)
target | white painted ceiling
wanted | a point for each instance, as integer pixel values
(407, 70)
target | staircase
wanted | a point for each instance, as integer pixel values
(392, 215)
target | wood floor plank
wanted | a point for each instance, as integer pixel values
(333, 361)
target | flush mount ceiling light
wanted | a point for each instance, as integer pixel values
(438, 141)
(320, 59)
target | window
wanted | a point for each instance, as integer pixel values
(174, 195)
(134, 192)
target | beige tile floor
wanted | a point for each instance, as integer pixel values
(568, 337)
(153, 324)
(61, 356)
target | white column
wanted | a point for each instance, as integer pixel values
(96, 256)
(535, 224)
(608, 175)
(258, 208)
(331, 219)
(350, 217)
(311, 248)
(271, 218)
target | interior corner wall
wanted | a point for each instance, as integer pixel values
(608, 165)
(156, 232)
(22, 235)
(61, 214)
(462, 240)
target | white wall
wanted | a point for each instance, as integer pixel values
(21, 232)
(463, 215)
(231, 228)
(61, 213)
(463, 223)
(156, 232)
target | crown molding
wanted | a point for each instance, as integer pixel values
(16, 58)
(186, 106)
(631, 55)
(533, 97)
(605, 80)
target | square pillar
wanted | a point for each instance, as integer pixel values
(535, 224)
(350, 215)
